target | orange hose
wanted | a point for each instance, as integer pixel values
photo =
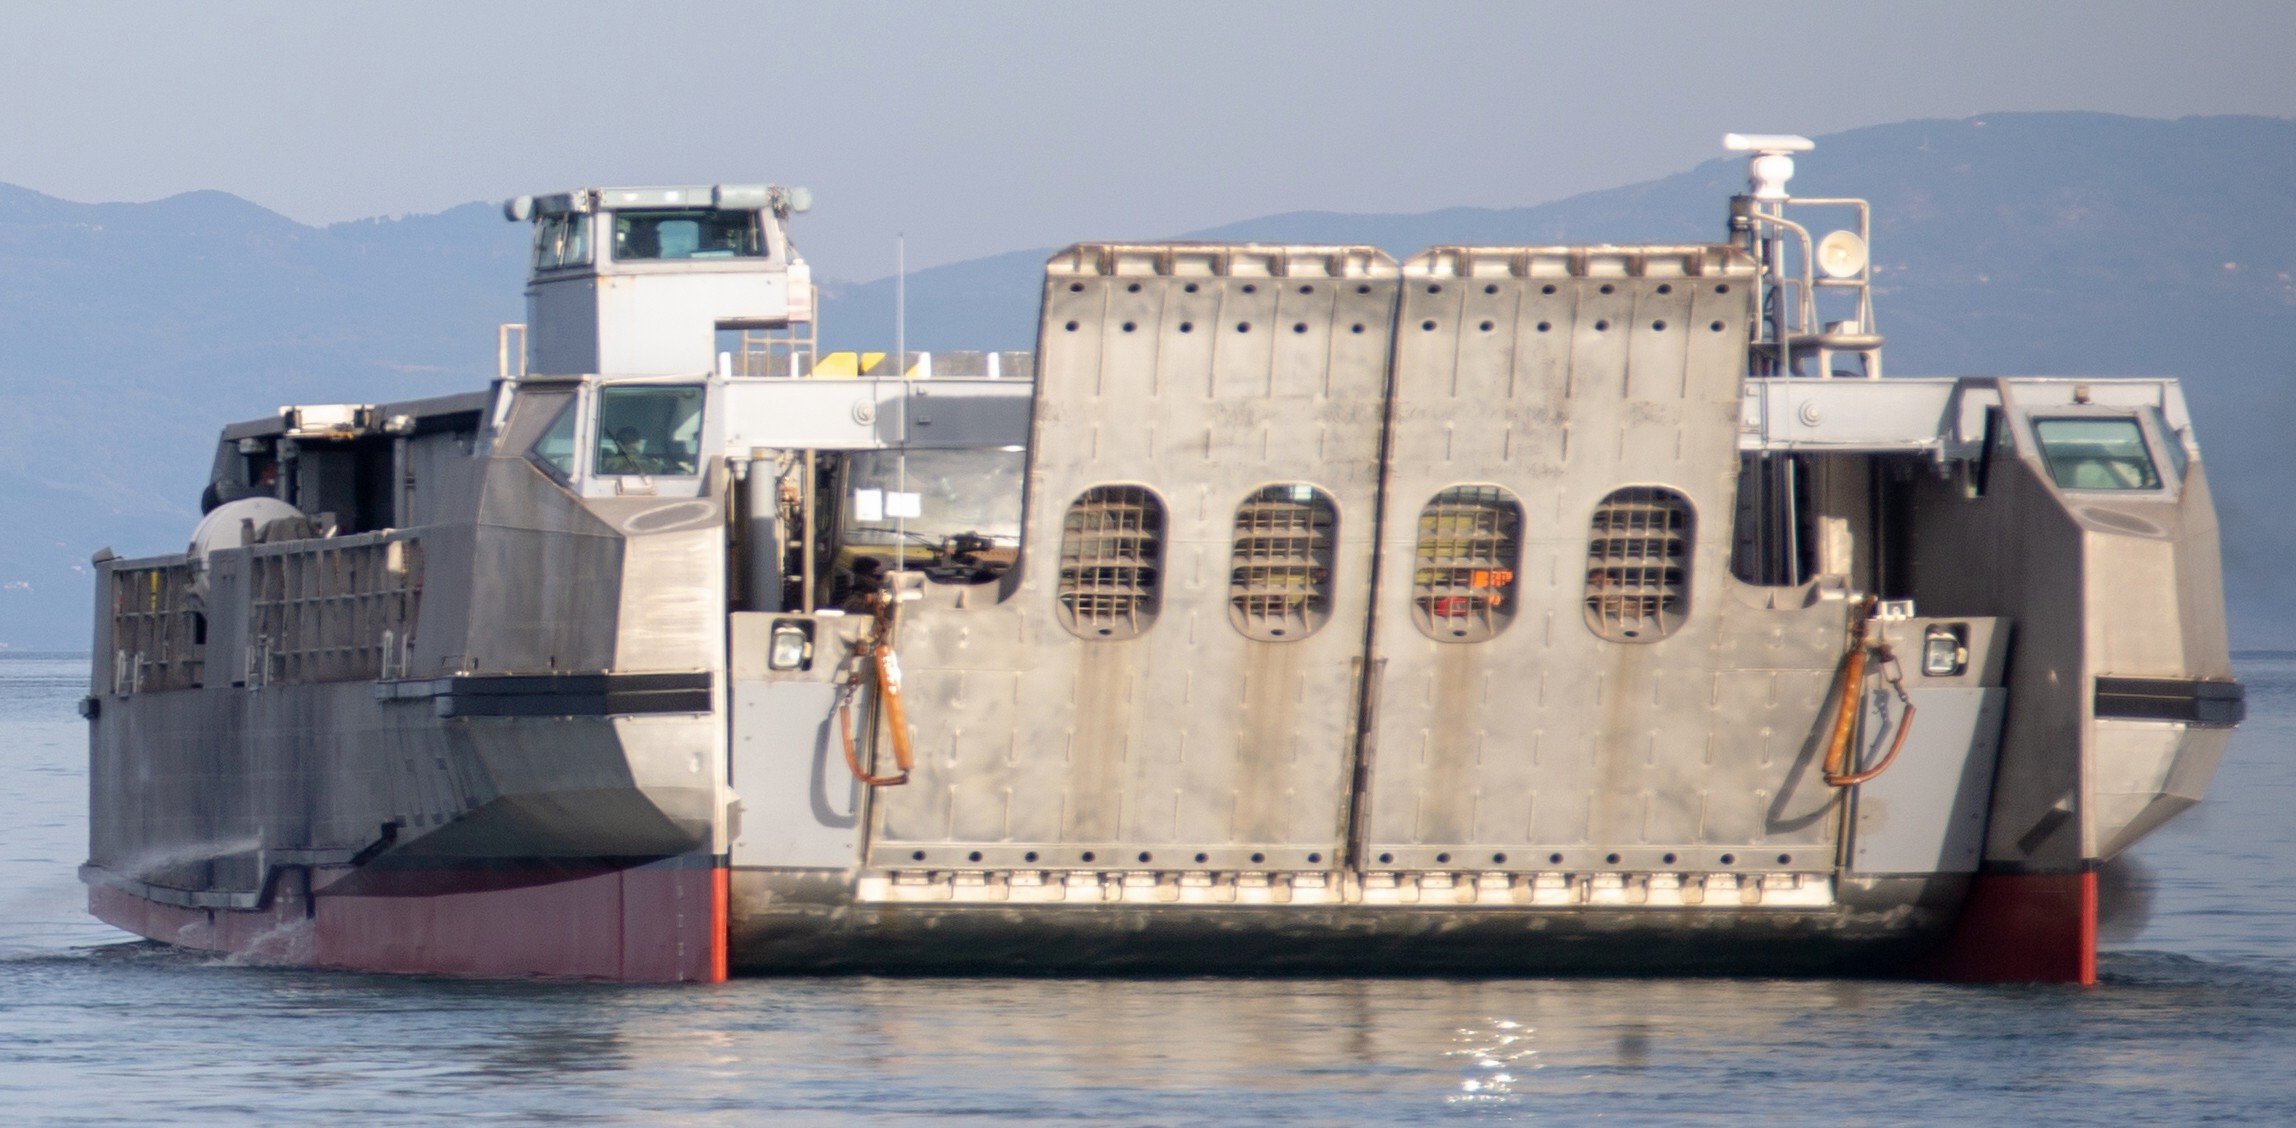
(852, 756)
(889, 692)
(1904, 725)
(1853, 685)
(888, 699)
(1846, 705)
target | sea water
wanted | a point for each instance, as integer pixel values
(2194, 1020)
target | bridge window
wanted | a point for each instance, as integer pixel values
(1470, 547)
(2096, 454)
(1111, 562)
(562, 240)
(1638, 564)
(698, 233)
(554, 450)
(1279, 577)
(649, 430)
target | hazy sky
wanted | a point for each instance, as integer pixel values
(978, 128)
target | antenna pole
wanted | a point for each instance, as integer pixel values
(900, 305)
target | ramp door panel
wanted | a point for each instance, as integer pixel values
(1571, 677)
(1173, 679)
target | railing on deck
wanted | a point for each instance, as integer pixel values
(159, 635)
(333, 610)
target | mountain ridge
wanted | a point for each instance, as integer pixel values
(2014, 243)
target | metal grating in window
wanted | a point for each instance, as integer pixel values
(1638, 564)
(1463, 578)
(1111, 562)
(1279, 578)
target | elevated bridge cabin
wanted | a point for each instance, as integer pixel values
(660, 281)
(1593, 607)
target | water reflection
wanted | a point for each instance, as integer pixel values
(1494, 1054)
(2198, 1022)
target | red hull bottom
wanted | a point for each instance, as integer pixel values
(2023, 928)
(659, 923)
(667, 923)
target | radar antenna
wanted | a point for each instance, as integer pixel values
(1801, 277)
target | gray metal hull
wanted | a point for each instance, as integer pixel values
(1476, 614)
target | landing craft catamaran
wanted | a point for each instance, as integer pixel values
(1502, 609)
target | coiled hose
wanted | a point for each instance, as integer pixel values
(1863, 652)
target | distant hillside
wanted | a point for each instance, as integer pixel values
(2012, 243)
(130, 332)
(2034, 244)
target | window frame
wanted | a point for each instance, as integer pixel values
(595, 430)
(757, 229)
(1593, 614)
(1318, 598)
(518, 437)
(551, 232)
(1143, 615)
(2164, 484)
(1502, 598)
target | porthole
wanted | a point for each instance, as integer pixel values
(1279, 574)
(1463, 578)
(1638, 564)
(1111, 562)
